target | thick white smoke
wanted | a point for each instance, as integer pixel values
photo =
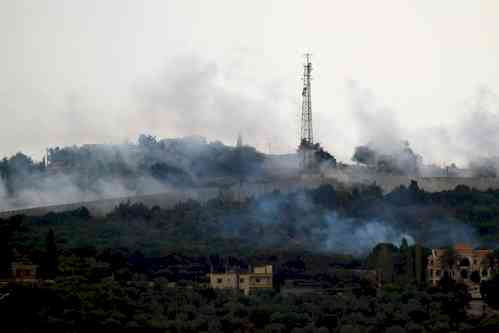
(358, 238)
(3, 196)
(62, 189)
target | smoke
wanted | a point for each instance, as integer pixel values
(466, 140)
(295, 220)
(195, 97)
(402, 160)
(65, 189)
(3, 195)
(479, 126)
(359, 237)
(186, 96)
(375, 124)
(192, 96)
(444, 232)
(351, 237)
(93, 172)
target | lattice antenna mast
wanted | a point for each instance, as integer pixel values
(307, 132)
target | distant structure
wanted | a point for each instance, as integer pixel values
(464, 265)
(259, 278)
(307, 130)
(239, 143)
(307, 147)
(24, 272)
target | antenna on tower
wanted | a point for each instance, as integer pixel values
(307, 132)
(307, 147)
(239, 142)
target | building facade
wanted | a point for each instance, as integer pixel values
(248, 282)
(464, 264)
(23, 272)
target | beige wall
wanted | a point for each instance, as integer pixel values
(477, 262)
(260, 278)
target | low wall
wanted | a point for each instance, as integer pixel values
(104, 206)
(389, 183)
(167, 200)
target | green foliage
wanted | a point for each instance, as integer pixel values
(489, 325)
(490, 291)
(105, 264)
(51, 255)
(77, 305)
(177, 162)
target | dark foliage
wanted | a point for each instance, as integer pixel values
(77, 305)
(178, 162)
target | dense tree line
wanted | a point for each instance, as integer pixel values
(78, 304)
(304, 220)
(114, 258)
(178, 162)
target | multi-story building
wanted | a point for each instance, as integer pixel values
(24, 272)
(248, 282)
(465, 265)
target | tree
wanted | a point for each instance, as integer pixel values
(364, 155)
(490, 291)
(147, 141)
(420, 262)
(50, 254)
(406, 262)
(449, 258)
(475, 277)
(8, 230)
(383, 258)
(325, 195)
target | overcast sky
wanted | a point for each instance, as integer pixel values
(89, 71)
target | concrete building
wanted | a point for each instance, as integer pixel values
(22, 272)
(466, 265)
(249, 282)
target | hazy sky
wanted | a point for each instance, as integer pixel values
(87, 71)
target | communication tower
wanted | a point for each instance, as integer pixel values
(307, 148)
(307, 131)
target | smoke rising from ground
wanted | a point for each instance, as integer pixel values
(64, 189)
(358, 238)
(92, 172)
(471, 136)
(346, 236)
(195, 97)
(299, 220)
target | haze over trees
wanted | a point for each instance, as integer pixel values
(105, 266)
(99, 171)
(316, 235)
(400, 160)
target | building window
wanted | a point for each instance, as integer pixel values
(438, 272)
(257, 280)
(219, 281)
(241, 280)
